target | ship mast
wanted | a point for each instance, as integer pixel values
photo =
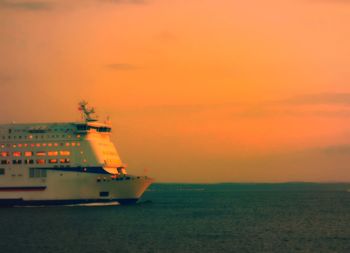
(88, 113)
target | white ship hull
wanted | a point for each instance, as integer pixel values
(73, 188)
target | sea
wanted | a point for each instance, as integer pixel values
(230, 217)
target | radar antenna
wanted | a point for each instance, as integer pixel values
(87, 112)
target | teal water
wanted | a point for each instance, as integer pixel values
(191, 218)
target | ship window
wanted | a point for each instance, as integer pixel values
(53, 161)
(16, 153)
(40, 153)
(81, 127)
(33, 172)
(38, 145)
(28, 153)
(64, 153)
(4, 154)
(19, 145)
(52, 153)
(40, 161)
(64, 160)
(104, 129)
(104, 194)
(2, 171)
(73, 144)
(67, 144)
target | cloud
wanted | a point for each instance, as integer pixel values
(319, 99)
(122, 66)
(337, 150)
(124, 1)
(27, 5)
(45, 5)
(331, 1)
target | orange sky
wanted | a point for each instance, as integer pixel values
(199, 90)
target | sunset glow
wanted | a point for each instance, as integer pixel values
(197, 91)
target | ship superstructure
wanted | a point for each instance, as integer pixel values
(64, 163)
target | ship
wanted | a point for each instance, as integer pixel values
(64, 164)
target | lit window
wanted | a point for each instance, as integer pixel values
(2, 145)
(25, 145)
(73, 144)
(32, 145)
(50, 144)
(67, 144)
(4, 154)
(64, 160)
(40, 161)
(14, 145)
(53, 161)
(38, 145)
(78, 144)
(55, 144)
(44, 144)
(16, 153)
(52, 153)
(28, 153)
(40, 153)
(64, 153)
(19, 145)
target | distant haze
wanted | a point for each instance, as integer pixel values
(198, 91)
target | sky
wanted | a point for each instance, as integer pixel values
(197, 90)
